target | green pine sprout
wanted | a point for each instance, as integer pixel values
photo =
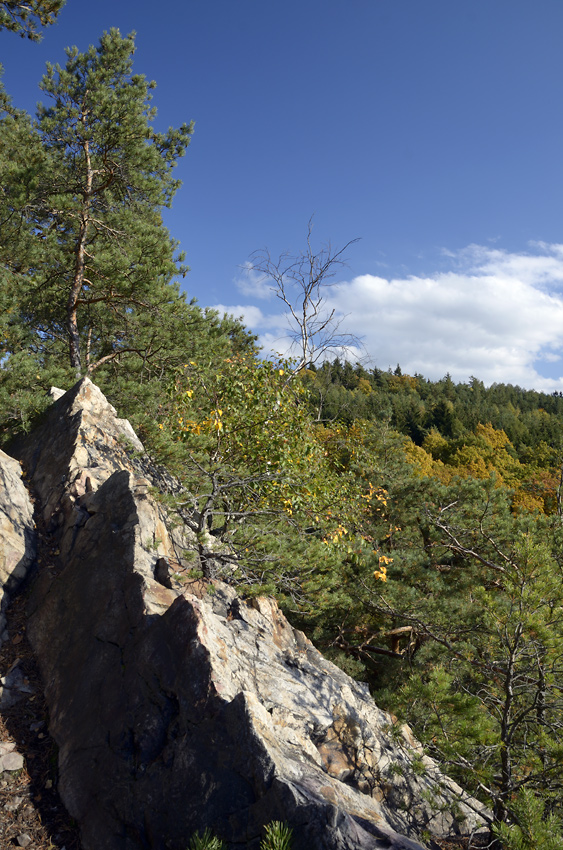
(206, 841)
(278, 836)
(532, 827)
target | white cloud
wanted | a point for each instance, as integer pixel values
(253, 283)
(251, 315)
(495, 315)
(255, 319)
(543, 268)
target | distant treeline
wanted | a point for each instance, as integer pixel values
(415, 405)
(461, 429)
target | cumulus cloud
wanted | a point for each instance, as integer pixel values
(493, 314)
(543, 267)
(251, 315)
(252, 283)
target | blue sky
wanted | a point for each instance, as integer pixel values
(433, 131)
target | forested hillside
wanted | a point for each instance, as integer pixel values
(461, 429)
(412, 528)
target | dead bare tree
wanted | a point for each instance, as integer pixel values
(301, 281)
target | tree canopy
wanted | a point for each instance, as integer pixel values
(26, 17)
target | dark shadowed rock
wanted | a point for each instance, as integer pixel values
(180, 708)
(17, 532)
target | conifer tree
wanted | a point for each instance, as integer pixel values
(25, 17)
(106, 258)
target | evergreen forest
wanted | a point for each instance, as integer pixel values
(412, 528)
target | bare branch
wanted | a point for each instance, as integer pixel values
(300, 281)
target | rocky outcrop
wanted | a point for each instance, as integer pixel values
(17, 532)
(80, 444)
(175, 704)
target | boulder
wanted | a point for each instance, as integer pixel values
(17, 532)
(178, 705)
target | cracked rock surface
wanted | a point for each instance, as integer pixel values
(180, 706)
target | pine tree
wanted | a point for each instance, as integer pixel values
(106, 259)
(86, 265)
(483, 686)
(26, 16)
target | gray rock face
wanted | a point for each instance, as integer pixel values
(77, 447)
(17, 531)
(176, 708)
(80, 444)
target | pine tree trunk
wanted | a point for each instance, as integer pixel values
(79, 267)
